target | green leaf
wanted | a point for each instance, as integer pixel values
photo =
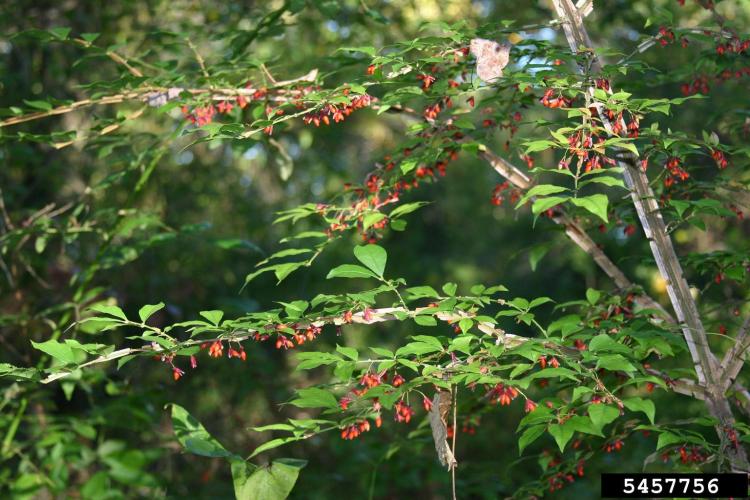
(382, 352)
(620, 96)
(566, 325)
(43, 105)
(680, 206)
(418, 292)
(529, 436)
(560, 135)
(450, 289)
(194, 437)
(630, 147)
(615, 362)
(580, 391)
(273, 482)
(350, 271)
(429, 339)
(372, 256)
(312, 397)
(274, 427)
(542, 204)
(147, 311)
(465, 324)
(281, 271)
(370, 51)
(111, 310)
(409, 364)
(372, 218)
(213, 317)
(274, 443)
(313, 359)
(90, 37)
(425, 320)
(562, 434)
(536, 254)
(398, 224)
(601, 94)
(541, 145)
(408, 165)
(419, 348)
(666, 438)
(464, 123)
(349, 352)
(604, 342)
(60, 33)
(540, 190)
(539, 301)
(406, 208)
(462, 343)
(58, 350)
(295, 309)
(592, 296)
(601, 414)
(596, 204)
(241, 471)
(639, 404)
(19, 373)
(584, 424)
(283, 253)
(606, 180)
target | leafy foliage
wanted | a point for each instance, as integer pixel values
(385, 292)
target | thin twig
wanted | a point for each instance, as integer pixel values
(734, 359)
(198, 58)
(106, 130)
(114, 56)
(6, 218)
(268, 73)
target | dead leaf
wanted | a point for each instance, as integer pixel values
(441, 405)
(491, 56)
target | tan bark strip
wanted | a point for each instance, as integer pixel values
(283, 95)
(111, 99)
(373, 316)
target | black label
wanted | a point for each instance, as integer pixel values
(674, 485)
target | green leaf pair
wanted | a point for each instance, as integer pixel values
(373, 257)
(272, 482)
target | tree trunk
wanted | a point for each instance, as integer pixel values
(705, 363)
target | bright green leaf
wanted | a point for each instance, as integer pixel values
(147, 311)
(194, 437)
(372, 256)
(639, 404)
(350, 271)
(596, 204)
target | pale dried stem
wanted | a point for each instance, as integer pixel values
(216, 95)
(374, 316)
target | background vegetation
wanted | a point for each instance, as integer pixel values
(145, 214)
